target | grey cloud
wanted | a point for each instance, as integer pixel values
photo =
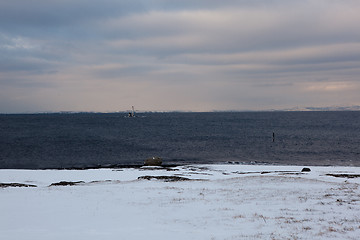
(60, 12)
(165, 33)
(33, 66)
(273, 85)
(17, 14)
(26, 83)
(221, 51)
(126, 71)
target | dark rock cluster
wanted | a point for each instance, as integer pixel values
(64, 183)
(5, 185)
(166, 178)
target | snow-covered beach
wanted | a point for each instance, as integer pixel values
(197, 202)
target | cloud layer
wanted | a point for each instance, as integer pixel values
(178, 55)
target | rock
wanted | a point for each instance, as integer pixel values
(343, 175)
(5, 185)
(64, 183)
(305, 169)
(165, 178)
(154, 161)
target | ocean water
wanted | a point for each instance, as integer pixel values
(80, 140)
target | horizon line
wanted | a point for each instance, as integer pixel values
(294, 109)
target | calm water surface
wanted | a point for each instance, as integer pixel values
(92, 139)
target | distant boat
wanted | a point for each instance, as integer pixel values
(132, 113)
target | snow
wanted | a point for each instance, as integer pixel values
(221, 202)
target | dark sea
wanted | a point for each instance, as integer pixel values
(86, 140)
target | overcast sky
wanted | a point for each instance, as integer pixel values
(164, 55)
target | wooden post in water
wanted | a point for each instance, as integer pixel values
(273, 137)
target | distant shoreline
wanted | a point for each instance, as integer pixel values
(305, 109)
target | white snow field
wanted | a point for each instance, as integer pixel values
(213, 202)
